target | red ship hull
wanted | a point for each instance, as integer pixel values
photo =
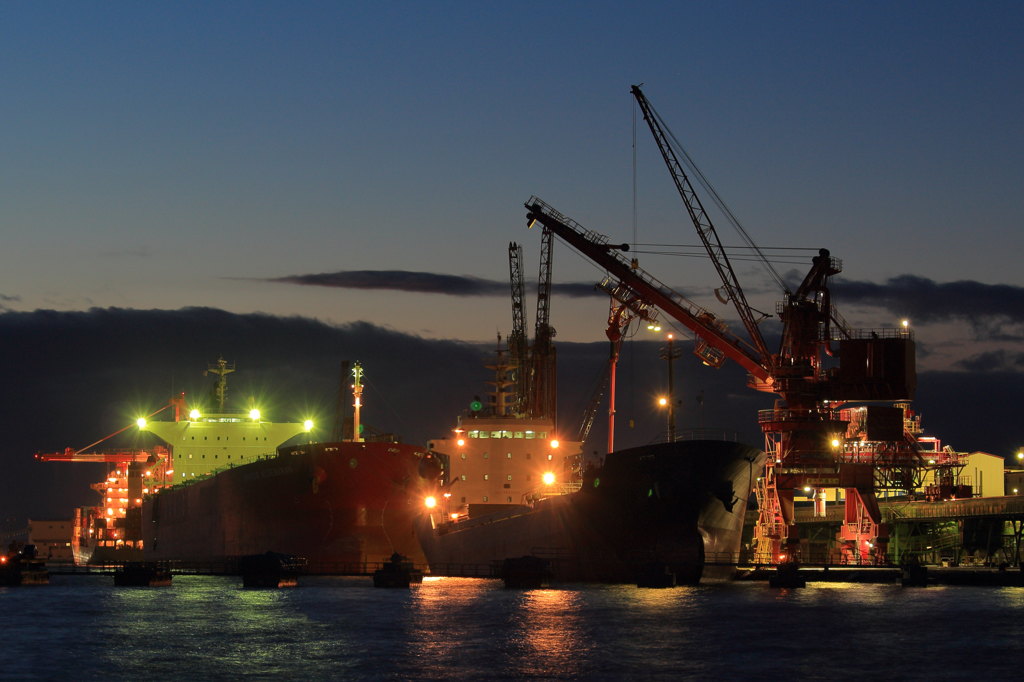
(338, 505)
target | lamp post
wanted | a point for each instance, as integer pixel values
(670, 353)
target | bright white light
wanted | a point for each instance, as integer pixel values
(548, 477)
(254, 414)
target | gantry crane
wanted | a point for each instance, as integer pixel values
(542, 381)
(810, 441)
(517, 343)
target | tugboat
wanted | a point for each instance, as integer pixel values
(397, 571)
(270, 570)
(142, 574)
(21, 566)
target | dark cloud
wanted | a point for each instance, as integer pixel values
(424, 282)
(989, 308)
(70, 378)
(401, 280)
(992, 361)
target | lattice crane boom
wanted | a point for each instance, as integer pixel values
(705, 229)
(722, 344)
(517, 343)
(542, 375)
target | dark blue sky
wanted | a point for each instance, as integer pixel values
(160, 155)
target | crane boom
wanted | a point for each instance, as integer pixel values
(702, 322)
(705, 228)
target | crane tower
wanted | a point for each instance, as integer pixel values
(813, 437)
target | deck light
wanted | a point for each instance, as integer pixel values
(254, 414)
(141, 421)
(548, 477)
(430, 502)
(308, 425)
(194, 414)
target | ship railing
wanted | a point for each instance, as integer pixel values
(879, 333)
(789, 415)
(708, 433)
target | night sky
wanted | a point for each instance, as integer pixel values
(292, 185)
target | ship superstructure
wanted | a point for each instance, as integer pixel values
(204, 443)
(497, 458)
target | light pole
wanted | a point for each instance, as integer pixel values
(670, 353)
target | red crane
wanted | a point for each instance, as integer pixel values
(811, 442)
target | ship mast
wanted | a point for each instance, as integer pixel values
(357, 394)
(220, 389)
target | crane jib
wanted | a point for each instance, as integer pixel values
(696, 318)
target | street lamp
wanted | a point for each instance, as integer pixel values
(669, 354)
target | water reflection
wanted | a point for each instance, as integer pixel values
(547, 635)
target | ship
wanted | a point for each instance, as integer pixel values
(243, 486)
(109, 531)
(512, 489)
(224, 484)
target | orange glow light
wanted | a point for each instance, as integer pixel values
(554, 442)
(460, 442)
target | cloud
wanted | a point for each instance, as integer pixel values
(425, 282)
(994, 311)
(72, 377)
(992, 361)
(5, 299)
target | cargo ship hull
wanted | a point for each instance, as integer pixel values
(338, 505)
(678, 506)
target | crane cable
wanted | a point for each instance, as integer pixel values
(709, 188)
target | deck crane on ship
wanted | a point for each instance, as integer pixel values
(812, 443)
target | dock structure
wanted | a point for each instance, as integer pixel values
(984, 531)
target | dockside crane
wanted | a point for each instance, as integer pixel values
(542, 380)
(518, 346)
(624, 307)
(811, 441)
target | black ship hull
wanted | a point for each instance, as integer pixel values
(672, 507)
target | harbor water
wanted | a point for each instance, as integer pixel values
(208, 627)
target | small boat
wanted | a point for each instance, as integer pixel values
(397, 571)
(913, 574)
(270, 570)
(787, 575)
(142, 574)
(21, 566)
